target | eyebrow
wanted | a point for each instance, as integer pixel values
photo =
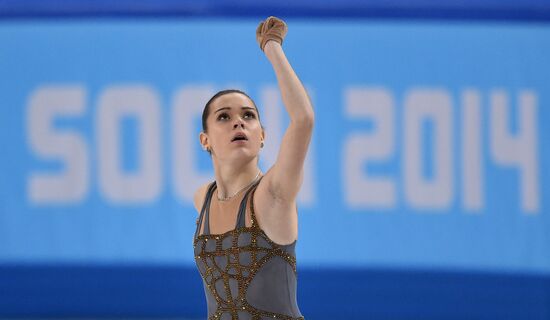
(220, 109)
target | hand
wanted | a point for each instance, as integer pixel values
(271, 29)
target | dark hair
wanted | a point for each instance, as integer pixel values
(206, 110)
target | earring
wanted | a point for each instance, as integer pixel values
(262, 145)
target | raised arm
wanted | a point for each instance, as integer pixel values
(286, 176)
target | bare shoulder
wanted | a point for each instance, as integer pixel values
(199, 196)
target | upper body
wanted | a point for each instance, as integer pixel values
(235, 163)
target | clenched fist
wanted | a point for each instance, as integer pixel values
(272, 28)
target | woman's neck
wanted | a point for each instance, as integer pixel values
(231, 179)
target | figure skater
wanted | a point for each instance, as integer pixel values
(244, 244)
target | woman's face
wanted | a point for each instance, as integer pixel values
(234, 130)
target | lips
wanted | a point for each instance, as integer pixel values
(239, 137)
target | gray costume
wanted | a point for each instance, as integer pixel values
(245, 274)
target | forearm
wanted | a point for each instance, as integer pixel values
(295, 98)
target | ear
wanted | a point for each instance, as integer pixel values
(203, 138)
(263, 134)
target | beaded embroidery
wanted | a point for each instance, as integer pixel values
(210, 251)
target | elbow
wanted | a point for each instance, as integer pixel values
(305, 120)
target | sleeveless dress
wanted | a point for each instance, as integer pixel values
(245, 274)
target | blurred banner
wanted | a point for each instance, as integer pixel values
(430, 148)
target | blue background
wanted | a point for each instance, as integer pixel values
(97, 258)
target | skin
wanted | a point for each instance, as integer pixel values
(235, 165)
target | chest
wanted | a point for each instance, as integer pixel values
(224, 216)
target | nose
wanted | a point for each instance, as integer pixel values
(238, 122)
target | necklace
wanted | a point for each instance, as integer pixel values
(248, 185)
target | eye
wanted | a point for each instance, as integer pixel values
(223, 116)
(249, 114)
